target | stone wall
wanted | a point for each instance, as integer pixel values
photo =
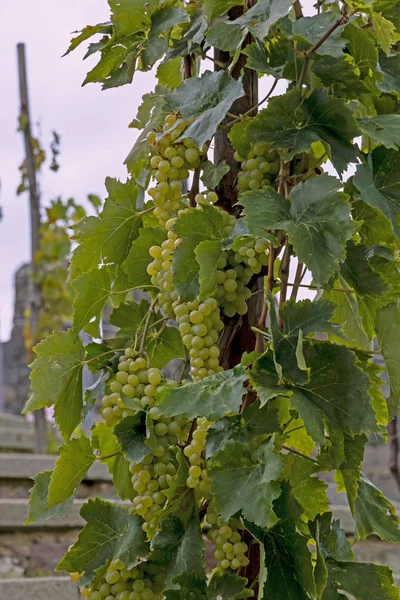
(14, 376)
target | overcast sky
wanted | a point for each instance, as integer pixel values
(93, 124)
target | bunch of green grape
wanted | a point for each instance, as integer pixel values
(230, 549)
(197, 478)
(171, 163)
(258, 169)
(143, 582)
(160, 271)
(235, 270)
(154, 473)
(137, 382)
(199, 324)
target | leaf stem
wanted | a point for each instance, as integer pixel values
(344, 17)
(253, 108)
(109, 456)
(315, 287)
(147, 325)
(284, 274)
(145, 212)
(270, 286)
(298, 278)
(316, 462)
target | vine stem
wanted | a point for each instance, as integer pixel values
(284, 274)
(147, 325)
(316, 462)
(298, 278)
(253, 108)
(315, 287)
(259, 346)
(307, 55)
(145, 212)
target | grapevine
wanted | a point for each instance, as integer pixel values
(223, 396)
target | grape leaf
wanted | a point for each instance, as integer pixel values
(108, 237)
(76, 458)
(192, 38)
(38, 509)
(215, 8)
(130, 16)
(225, 35)
(227, 586)
(287, 123)
(388, 333)
(308, 29)
(265, 379)
(191, 587)
(93, 290)
(374, 514)
(207, 255)
(94, 391)
(139, 258)
(240, 482)
(87, 32)
(163, 19)
(252, 422)
(361, 48)
(309, 491)
(129, 317)
(165, 346)
(384, 31)
(338, 387)
(364, 581)
(287, 572)
(111, 532)
(169, 73)
(56, 379)
(348, 473)
(205, 101)
(299, 319)
(330, 538)
(382, 129)
(212, 174)
(340, 75)
(389, 67)
(131, 435)
(212, 397)
(358, 272)
(390, 10)
(318, 222)
(193, 227)
(259, 18)
(105, 442)
(179, 546)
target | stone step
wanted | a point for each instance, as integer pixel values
(13, 514)
(39, 588)
(15, 422)
(23, 466)
(17, 439)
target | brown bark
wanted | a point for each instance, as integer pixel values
(238, 336)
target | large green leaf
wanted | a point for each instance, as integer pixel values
(338, 387)
(383, 129)
(389, 67)
(348, 472)
(56, 379)
(205, 101)
(364, 581)
(129, 16)
(179, 546)
(252, 422)
(288, 123)
(309, 491)
(76, 458)
(212, 397)
(110, 454)
(241, 482)
(379, 183)
(348, 313)
(38, 509)
(215, 8)
(388, 333)
(212, 174)
(194, 227)
(298, 320)
(259, 18)
(93, 290)
(108, 237)
(225, 35)
(131, 434)
(308, 29)
(111, 532)
(139, 258)
(374, 514)
(227, 586)
(318, 222)
(207, 255)
(164, 346)
(362, 48)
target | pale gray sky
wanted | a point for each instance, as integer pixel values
(93, 124)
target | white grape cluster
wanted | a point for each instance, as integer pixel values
(154, 474)
(171, 163)
(230, 551)
(235, 269)
(138, 382)
(160, 271)
(197, 478)
(143, 582)
(259, 169)
(199, 324)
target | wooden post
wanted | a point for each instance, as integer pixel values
(238, 335)
(34, 203)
